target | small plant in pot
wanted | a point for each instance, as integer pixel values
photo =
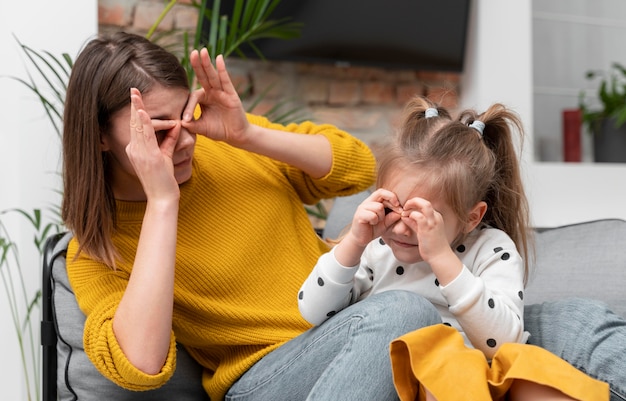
(606, 120)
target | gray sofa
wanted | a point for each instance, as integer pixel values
(580, 260)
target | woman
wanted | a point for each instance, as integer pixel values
(189, 227)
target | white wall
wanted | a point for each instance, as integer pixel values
(499, 69)
(29, 151)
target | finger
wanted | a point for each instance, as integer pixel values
(412, 220)
(368, 216)
(144, 128)
(390, 219)
(225, 82)
(136, 126)
(388, 199)
(163, 125)
(168, 145)
(419, 204)
(382, 194)
(171, 129)
(390, 208)
(140, 123)
(196, 64)
(192, 103)
(202, 66)
(207, 65)
(134, 92)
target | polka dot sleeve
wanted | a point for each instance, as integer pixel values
(488, 304)
(327, 290)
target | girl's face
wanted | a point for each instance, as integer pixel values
(401, 237)
(161, 104)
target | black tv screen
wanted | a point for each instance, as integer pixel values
(407, 34)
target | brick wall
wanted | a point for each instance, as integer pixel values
(364, 101)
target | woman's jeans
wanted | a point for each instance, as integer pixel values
(345, 358)
(584, 333)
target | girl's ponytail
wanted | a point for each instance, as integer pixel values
(508, 206)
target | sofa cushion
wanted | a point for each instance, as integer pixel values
(581, 260)
(78, 379)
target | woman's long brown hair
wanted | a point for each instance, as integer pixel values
(99, 86)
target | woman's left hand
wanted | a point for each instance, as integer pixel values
(223, 117)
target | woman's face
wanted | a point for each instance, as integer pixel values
(161, 104)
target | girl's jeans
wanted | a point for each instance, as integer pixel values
(584, 333)
(346, 358)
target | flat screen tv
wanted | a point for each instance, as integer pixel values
(398, 34)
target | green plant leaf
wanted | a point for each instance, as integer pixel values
(159, 19)
(55, 73)
(611, 94)
(13, 280)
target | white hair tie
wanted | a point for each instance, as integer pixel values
(431, 112)
(478, 126)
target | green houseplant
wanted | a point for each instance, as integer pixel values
(250, 21)
(606, 119)
(24, 306)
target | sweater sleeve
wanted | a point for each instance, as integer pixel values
(488, 303)
(353, 168)
(99, 290)
(327, 290)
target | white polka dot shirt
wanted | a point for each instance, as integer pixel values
(484, 302)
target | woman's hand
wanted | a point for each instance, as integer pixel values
(223, 117)
(152, 161)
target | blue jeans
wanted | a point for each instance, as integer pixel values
(346, 358)
(586, 334)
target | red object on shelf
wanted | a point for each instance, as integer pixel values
(571, 135)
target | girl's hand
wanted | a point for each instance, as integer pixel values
(372, 218)
(152, 161)
(223, 117)
(428, 223)
(374, 215)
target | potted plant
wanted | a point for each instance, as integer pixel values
(605, 121)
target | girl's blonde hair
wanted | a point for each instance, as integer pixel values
(463, 165)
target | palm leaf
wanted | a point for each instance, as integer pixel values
(55, 73)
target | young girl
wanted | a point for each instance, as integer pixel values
(446, 222)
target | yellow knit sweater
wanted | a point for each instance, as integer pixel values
(244, 247)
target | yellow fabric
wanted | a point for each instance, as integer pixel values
(236, 282)
(436, 358)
